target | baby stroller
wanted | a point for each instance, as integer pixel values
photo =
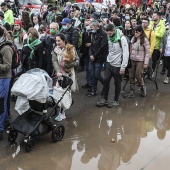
(36, 121)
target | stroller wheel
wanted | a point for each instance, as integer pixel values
(12, 136)
(30, 145)
(58, 133)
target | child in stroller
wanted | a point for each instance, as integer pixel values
(36, 121)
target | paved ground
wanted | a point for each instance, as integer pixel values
(130, 137)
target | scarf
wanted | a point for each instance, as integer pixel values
(32, 45)
(3, 22)
(115, 38)
(17, 34)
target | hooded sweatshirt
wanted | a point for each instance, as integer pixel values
(159, 31)
(118, 57)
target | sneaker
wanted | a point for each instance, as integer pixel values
(1, 135)
(113, 104)
(166, 81)
(86, 86)
(143, 91)
(91, 93)
(60, 118)
(102, 102)
(130, 94)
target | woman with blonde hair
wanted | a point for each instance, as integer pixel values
(32, 51)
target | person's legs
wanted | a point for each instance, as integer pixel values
(106, 85)
(86, 62)
(132, 72)
(139, 72)
(167, 66)
(91, 73)
(4, 90)
(106, 81)
(117, 79)
(155, 57)
(97, 75)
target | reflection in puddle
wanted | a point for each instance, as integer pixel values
(129, 137)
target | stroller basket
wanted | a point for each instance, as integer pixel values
(27, 122)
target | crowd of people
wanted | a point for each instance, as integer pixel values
(121, 40)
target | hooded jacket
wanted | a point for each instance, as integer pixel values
(8, 16)
(151, 37)
(99, 46)
(140, 52)
(159, 32)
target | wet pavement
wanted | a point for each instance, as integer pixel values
(133, 136)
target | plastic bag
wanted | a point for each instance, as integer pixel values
(22, 105)
(67, 99)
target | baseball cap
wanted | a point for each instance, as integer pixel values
(66, 21)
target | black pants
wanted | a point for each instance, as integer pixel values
(155, 58)
(167, 65)
(111, 71)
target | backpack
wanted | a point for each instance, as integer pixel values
(129, 45)
(15, 56)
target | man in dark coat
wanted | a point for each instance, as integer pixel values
(49, 42)
(98, 53)
(71, 33)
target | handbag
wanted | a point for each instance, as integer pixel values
(67, 99)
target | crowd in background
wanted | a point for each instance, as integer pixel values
(124, 41)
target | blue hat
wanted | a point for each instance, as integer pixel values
(65, 21)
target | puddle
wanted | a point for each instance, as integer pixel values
(134, 136)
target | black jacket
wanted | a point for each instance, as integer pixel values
(129, 33)
(72, 36)
(7, 26)
(86, 38)
(48, 43)
(36, 61)
(99, 46)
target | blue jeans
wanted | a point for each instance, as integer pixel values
(4, 90)
(95, 74)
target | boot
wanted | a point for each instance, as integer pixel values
(143, 91)
(130, 94)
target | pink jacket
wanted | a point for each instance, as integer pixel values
(140, 52)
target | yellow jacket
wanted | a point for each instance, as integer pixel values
(151, 38)
(159, 32)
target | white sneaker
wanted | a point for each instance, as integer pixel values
(166, 81)
(60, 117)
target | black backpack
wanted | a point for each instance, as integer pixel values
(15, 56)
(129, 45)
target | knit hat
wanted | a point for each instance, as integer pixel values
(18, 22)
